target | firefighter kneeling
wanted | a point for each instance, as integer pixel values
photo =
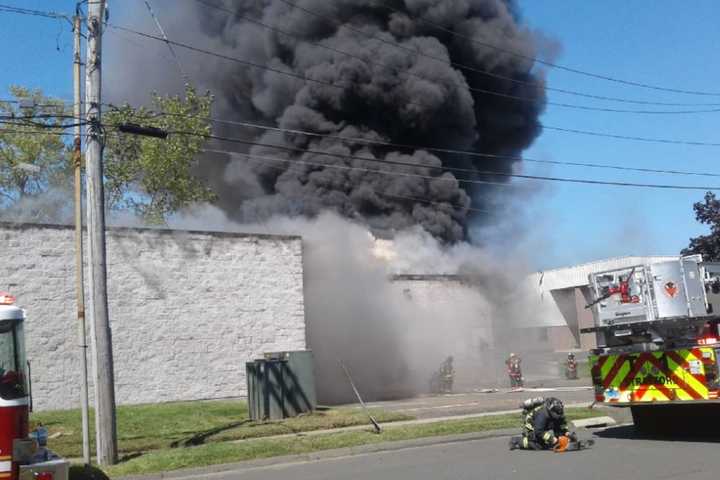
(545, 427)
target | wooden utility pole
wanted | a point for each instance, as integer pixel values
(79, 280)
(105, 423)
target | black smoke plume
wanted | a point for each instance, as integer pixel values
(385, 70)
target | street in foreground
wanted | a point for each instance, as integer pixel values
(617, 454)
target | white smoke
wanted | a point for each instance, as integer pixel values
(392, 311)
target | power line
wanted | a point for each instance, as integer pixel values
(225, 57)
(508, 96)
(127, 38)
(55, 15)
(58, 104)
(23, 120)
(554, 65)
(435, 149)
(346, 167)
(560, 129)
(170, 47)
(36, 13)
(240, 61)
(432, 167)
(630, 137)
(36, 132)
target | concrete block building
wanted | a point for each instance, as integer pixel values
(187, 309)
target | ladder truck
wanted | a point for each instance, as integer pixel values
(657, 329)
(23, 454)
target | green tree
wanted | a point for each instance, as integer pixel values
(707, 212)
(33, 156)
(154, 177)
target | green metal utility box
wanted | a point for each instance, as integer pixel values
(281, 385)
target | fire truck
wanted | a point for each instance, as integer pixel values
(657, 329)
(23, 454)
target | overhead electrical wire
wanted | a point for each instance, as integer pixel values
(379, 143)
(60, 103)
(441, 168)
(629, 137)
(38, 132)
(28, 121)
(305, 78)
(55, 15)
(660, 140)
(549, 127)
(36, 13)
(431, 148)
(170, 47)
(552, 64)
(441, 60)
(263, 158)
(242, 61)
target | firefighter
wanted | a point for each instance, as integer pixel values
(447, 375)
(571, 367)
(545, 428)
(514, 371)
(441, 380)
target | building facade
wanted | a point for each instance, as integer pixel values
(187, 309)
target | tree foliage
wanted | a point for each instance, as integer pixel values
(33, 156)
(707, 212)
(150, 177)
(154, 177)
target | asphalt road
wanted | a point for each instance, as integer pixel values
(616, 454)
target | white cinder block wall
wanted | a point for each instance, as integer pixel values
(187, 309)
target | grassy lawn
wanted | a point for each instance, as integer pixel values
(216, 453)
(143, 428)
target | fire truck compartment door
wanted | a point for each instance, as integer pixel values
(671, 296)
(695, 284)
(712, 276)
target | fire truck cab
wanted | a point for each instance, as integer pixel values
(23, 456)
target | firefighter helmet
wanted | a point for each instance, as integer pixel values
(555, 407)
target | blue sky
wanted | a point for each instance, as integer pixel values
(645, 41)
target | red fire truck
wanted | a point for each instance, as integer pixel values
(23, 455)
(657, 329)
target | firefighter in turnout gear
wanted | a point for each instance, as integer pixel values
(545, 427)
(514, 371)
(447, 375)
(571, 372)
(442, 380)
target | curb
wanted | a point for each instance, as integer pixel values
(402, 423)
(594, 422)
(321, 455)
(225, 468)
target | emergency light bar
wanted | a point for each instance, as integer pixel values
(6, 299)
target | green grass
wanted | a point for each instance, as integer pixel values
(217, 453)
(143, 428)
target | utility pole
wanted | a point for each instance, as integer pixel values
(79, 280)
(105, 422)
